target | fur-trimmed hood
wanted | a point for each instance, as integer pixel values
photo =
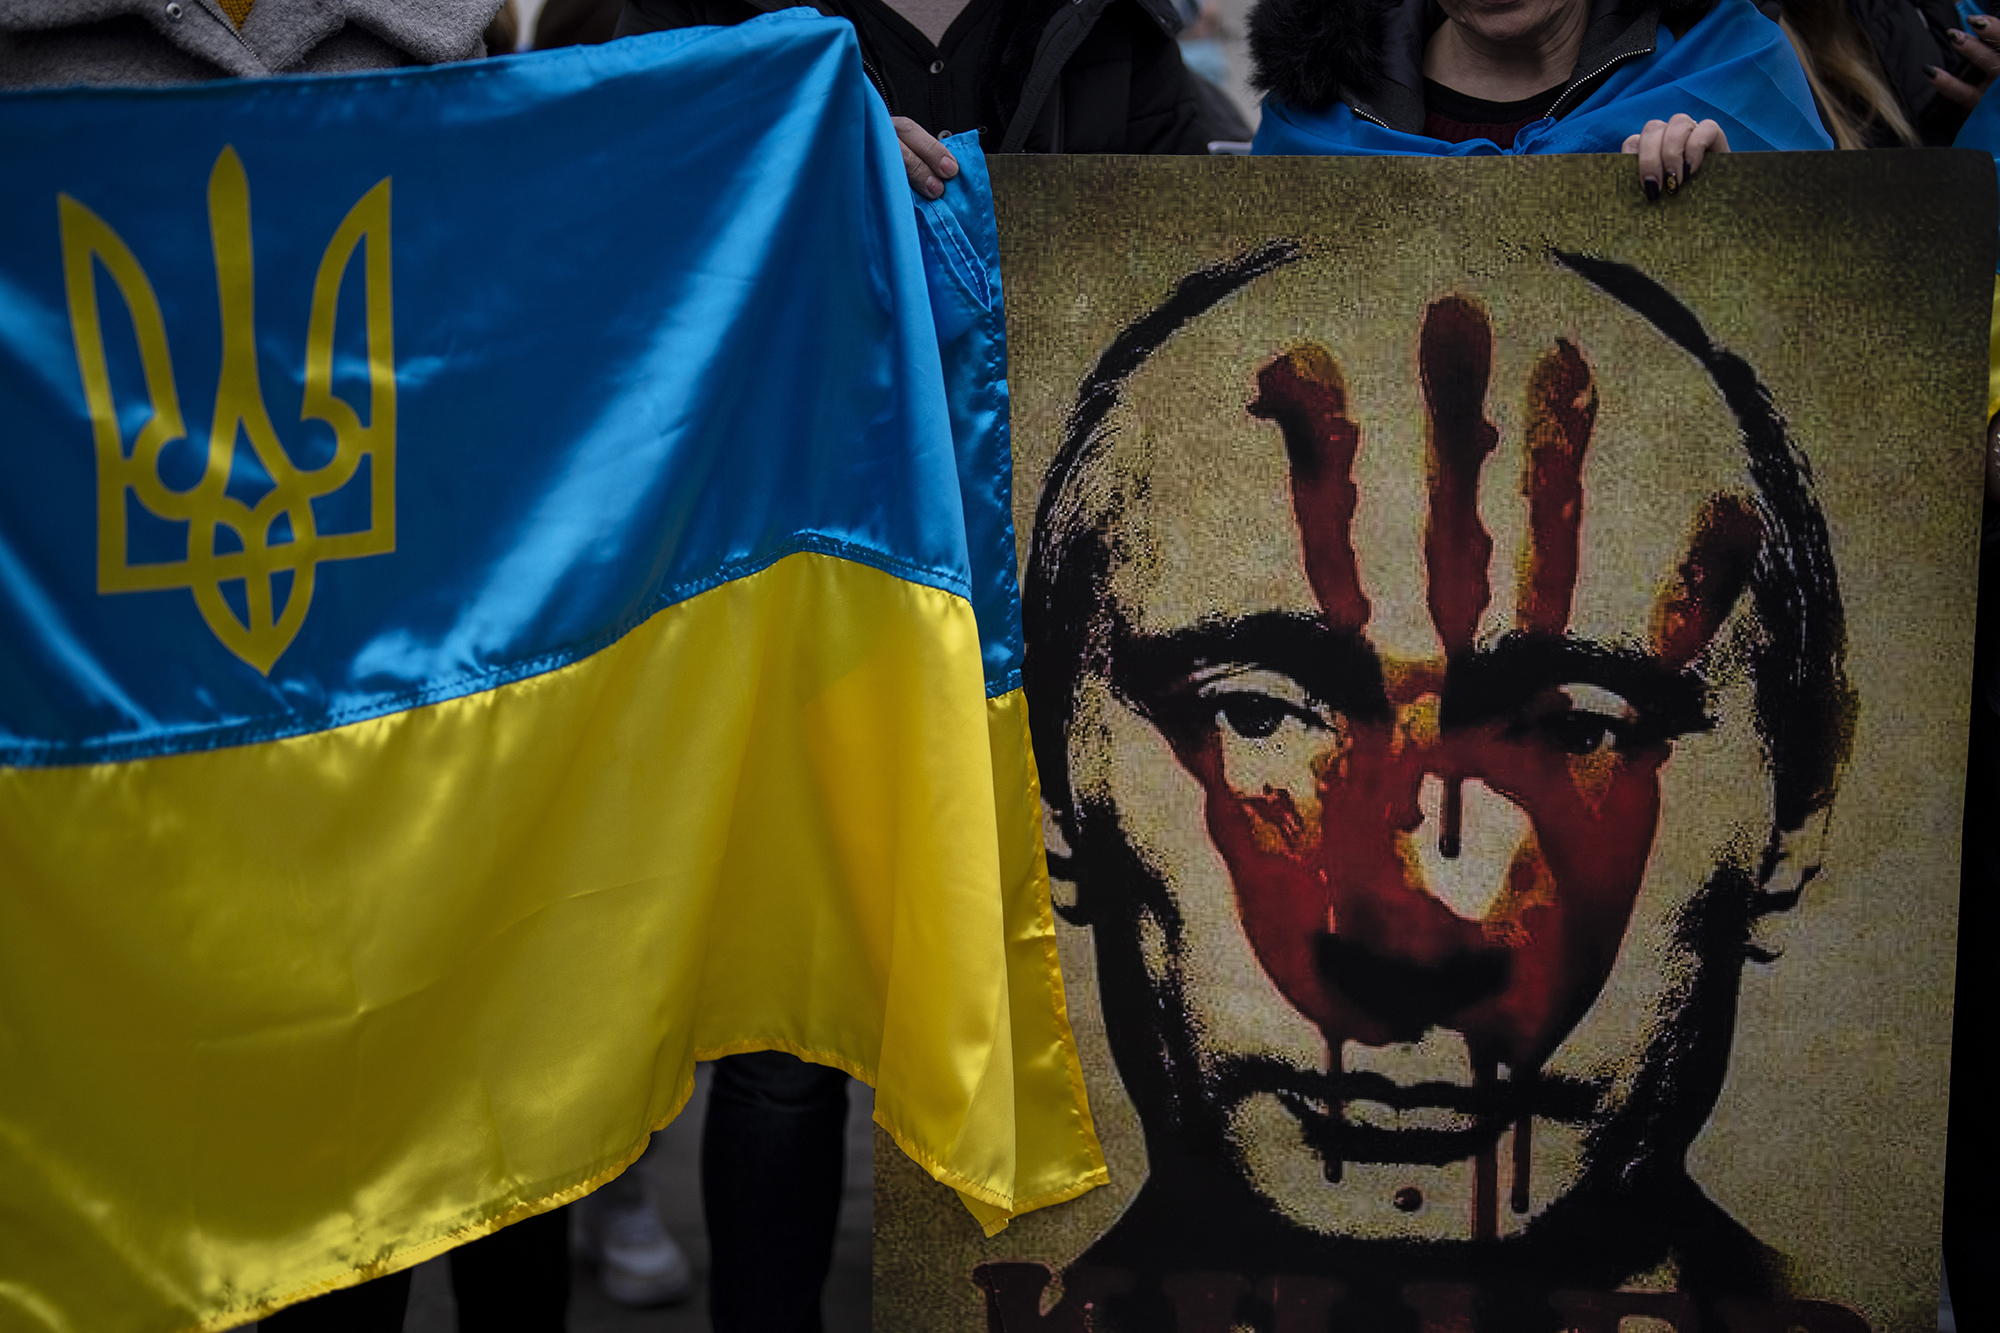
(1369, 53)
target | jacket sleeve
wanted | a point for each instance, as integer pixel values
(659, 15)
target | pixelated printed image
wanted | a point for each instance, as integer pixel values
(1498, 659)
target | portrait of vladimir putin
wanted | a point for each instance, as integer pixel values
(1426, 788)
(1498, 660)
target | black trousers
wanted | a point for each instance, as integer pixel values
(773, 1161)
(513, 1281)
(773, 1154)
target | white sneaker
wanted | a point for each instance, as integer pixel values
(638, 1263)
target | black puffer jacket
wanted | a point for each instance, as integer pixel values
(1370, 53)
(1061, 76)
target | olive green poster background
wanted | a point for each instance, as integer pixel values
(1858, 286)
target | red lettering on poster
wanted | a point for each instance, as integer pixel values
(1014, 1296)
(1301, 1304)
(1214, 1302)
(1606, 1311)
(1790, 1317)
(1445, 1307)
(1205, 1302)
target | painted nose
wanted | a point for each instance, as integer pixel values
(1462, 857)
(1409, 998)
(1405, 945)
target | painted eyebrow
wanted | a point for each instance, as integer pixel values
(1335, 666)
(1495, 682)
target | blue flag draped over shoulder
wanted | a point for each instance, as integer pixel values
(495, 605)
(1734, 67)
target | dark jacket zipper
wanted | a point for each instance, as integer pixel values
(876, 79)
(1555, 107)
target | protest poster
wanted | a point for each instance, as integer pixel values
(1498, 653)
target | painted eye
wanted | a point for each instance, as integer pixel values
(1257, 704)
(1273, 739)
(1584, 720)
(1254, 717)
(1582, 733)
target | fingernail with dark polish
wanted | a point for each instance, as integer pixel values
(1687, 171)
(1673, 182)
(1652, 189)
(1930, 71)
(1979, 21)
(1957, 36)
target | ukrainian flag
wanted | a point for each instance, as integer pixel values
(495, 606)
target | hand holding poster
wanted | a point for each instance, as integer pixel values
(1498, 654)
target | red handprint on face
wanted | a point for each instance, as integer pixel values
(1315, 781)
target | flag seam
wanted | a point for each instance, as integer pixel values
(16, 752)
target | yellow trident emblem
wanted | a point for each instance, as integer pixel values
(262, 637)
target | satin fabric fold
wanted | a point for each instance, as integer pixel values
(680, 717)
(961, 247)
(335, 1001)
(962, 267)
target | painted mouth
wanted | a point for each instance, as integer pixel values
(1426, 1125)
(1364, 1117)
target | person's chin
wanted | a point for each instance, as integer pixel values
(1500, 22)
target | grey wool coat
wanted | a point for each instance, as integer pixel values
(51, 43)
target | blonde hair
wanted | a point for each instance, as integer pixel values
(1844, 72)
